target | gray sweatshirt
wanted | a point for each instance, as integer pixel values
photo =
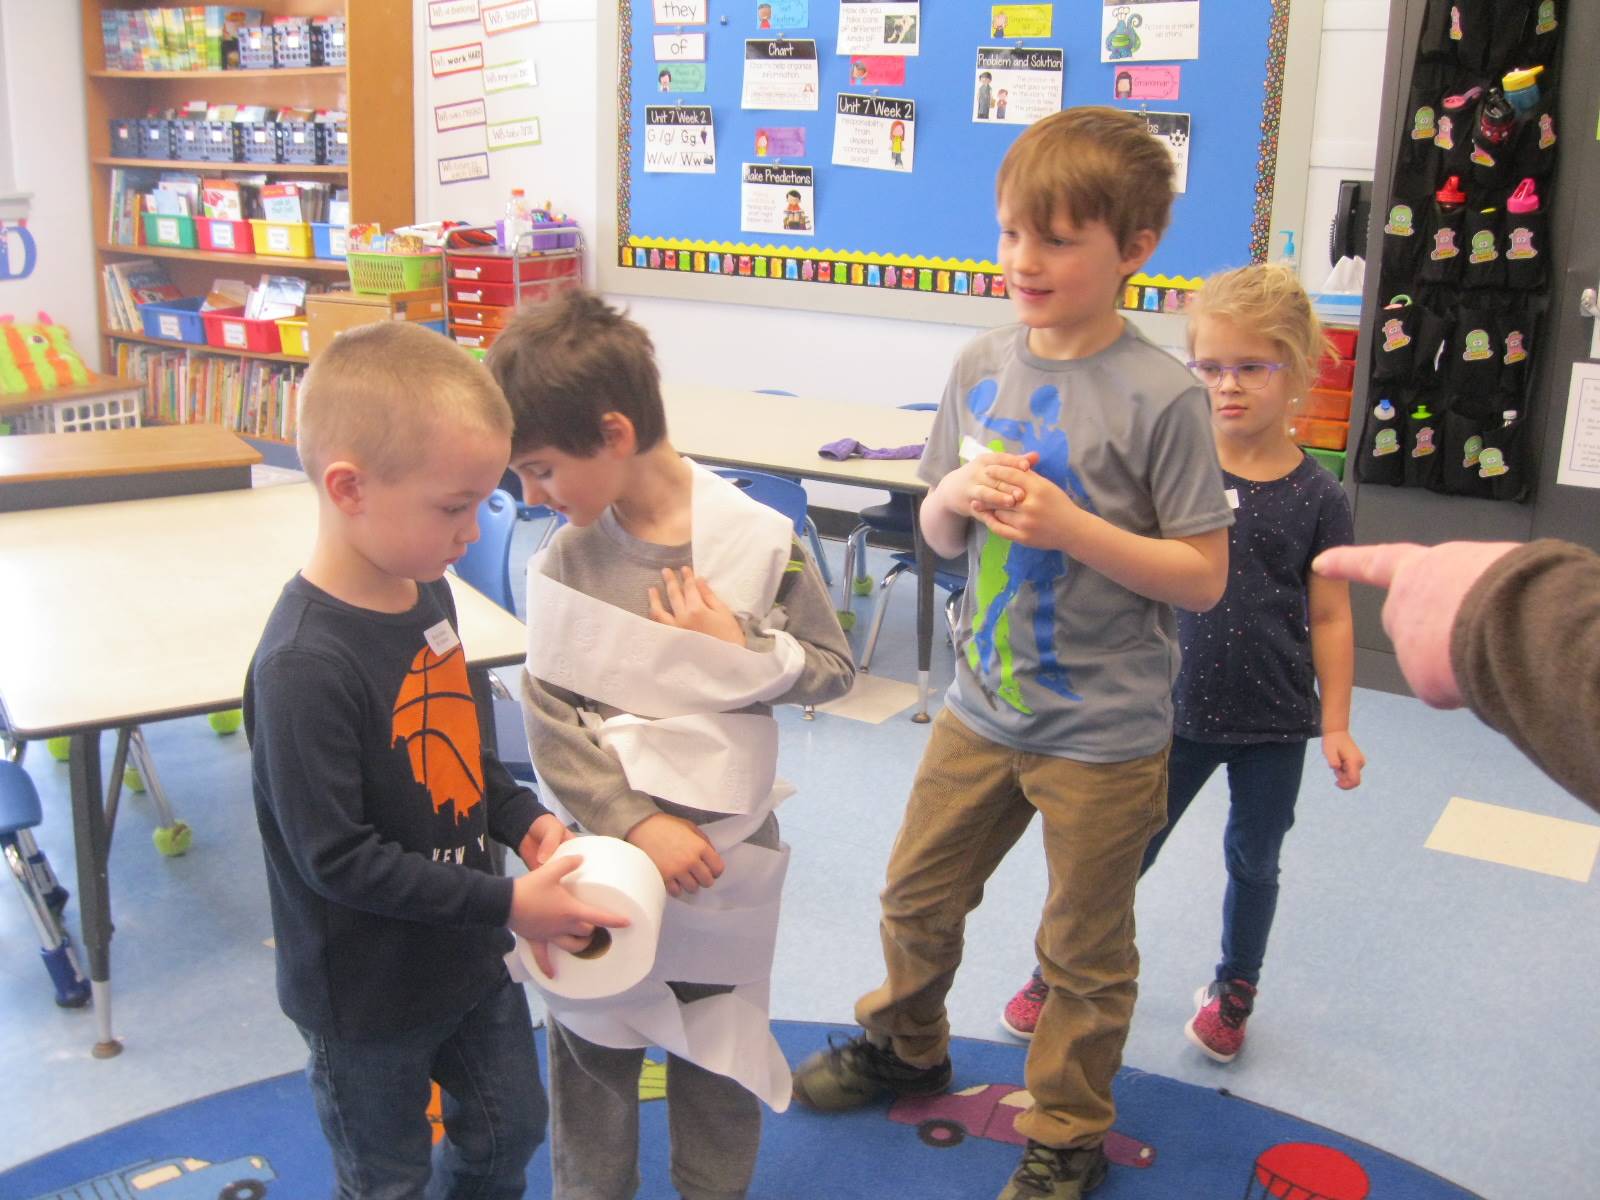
(606, 562)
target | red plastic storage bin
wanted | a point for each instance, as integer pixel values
(1335, 375)
(230, 237)
(480, 316)
(1324, 435)
(1344, 340)
(228, 329)
(1325, 405)
(505, 295)
(475, 340)
(497, 268)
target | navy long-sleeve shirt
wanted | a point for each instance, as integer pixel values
(375, 801)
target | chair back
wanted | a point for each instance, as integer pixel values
(487, 563)
(782, 495)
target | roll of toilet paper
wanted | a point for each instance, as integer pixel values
(619, 877)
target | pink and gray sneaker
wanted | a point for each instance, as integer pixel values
(1217, 1026)
(1021, 1015)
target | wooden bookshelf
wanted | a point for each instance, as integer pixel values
(167, 164)
(255, 264)
(278, 73)
(167, 344)
(374, 88)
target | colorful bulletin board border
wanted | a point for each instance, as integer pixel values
(1163, 293)
(951, 277)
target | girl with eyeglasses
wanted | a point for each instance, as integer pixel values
(1272, 665)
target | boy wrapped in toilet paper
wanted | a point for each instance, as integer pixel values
(628, 718)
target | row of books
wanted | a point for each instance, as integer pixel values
(133, 282)
(135, 191)
(190, 37)
(185, 386)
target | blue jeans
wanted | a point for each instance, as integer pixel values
(1263, 785)
(372, 1098)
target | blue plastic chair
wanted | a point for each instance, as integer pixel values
(895, 520)
(20, 812)
(946, 576)
(809, 530)
(487, 563)
(777, 492)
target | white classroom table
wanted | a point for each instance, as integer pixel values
(781, 433)
(118, 614)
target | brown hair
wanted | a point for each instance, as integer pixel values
(377, 395)
(567, 363)
(1267, 299)
(1096, 164)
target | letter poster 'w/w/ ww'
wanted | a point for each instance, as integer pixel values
(679, 139)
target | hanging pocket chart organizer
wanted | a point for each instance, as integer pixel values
(920, 242)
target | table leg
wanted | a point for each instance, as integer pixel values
(92, 840)
(925, 568)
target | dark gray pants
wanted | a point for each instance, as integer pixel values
(714, 1123)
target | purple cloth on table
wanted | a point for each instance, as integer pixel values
(850, 448)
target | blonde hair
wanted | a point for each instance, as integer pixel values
(1096, 164)
(380, 394)
(1267, 299)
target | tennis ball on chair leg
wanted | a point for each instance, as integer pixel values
(133, 781)
(224, 723)
(60, 748)
(173, 840)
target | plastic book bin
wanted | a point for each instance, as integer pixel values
(175, 231)
(1325, 405)
(1332, 459)
(175, 320)
(381, 274)
(225, 236)
(295, 336)
(258, 141)
(230, 329)
(1321, 434)
(155, 137)
(328, 241)
(125, 137)
(288, 239)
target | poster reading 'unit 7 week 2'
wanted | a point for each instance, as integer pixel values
(876, 132)
(679, 139)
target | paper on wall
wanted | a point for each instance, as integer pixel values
(1017, 85)
(1149, 32)
(877, 132)
(679, 139)
(777, 199)
(880, 27)
(780, 73)
(1172, 131)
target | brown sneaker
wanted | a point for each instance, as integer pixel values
(1050, 1174)
(853, 1073)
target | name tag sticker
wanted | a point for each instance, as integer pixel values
(1233, 497)
(441, 638)
(971, 447)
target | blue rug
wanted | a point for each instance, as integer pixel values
(1175, 1141)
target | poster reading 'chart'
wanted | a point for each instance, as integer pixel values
(1017, 86)
(777, 199)
(876, 132)
(780, 73)
(679, 139)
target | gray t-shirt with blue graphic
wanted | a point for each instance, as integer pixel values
(1052, 657)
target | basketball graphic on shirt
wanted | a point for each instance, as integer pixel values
(437, 722)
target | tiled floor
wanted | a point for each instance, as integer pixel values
(1438, 1004)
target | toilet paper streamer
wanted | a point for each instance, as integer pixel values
(618, 877)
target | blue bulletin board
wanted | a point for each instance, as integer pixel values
(930, 230)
